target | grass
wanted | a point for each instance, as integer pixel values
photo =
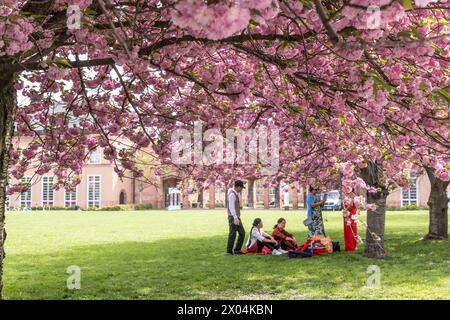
(180, 255)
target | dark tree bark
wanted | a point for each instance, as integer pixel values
(251, 193)
(373, 176)
(277, 196)
(7, 111)
(200, 198)
(438, 206)
(305, 191)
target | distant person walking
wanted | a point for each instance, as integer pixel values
(234, 219)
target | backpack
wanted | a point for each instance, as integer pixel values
(336, 247)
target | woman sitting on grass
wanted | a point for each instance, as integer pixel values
(258, 239)
(284, 238)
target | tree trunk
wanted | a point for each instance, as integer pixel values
(7, 111)
(277, 196)
(438, 207)
(251, 193)
(373, 176)
(200, 198)
(295, 191)
(305, 191)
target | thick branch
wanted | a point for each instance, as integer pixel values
(332, 34)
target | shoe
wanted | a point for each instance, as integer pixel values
(237, 253)
(283, 251)
(229, 253)
(276, 252)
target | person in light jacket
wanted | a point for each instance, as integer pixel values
(234, 219)
(258, 239)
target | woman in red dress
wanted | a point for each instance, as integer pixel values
(350, 225)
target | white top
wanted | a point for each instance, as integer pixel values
(232, 202)
(256, 235)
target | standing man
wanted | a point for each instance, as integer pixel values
(234, 219)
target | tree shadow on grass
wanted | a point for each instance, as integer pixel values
(198, 269)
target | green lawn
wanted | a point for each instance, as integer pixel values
(180, 255)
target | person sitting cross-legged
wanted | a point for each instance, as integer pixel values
(258, 240)
(284, 238)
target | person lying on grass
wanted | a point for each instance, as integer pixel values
(258, 240)
(284, 238)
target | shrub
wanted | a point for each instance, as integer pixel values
(122, 207)
(111, 208)
(57, 208)
(408, 207)
(143, 206)
(91, 209)
(127, 207)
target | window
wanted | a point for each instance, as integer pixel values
(409, 196)
(94, 184)
(333, 195)
(25, 197)
(95, 157)
(47, 192)
(259, 187)
(70, 198)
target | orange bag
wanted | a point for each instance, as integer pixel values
(328, 244)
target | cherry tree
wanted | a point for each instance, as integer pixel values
(358, 88)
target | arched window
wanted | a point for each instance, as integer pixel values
(122, 197)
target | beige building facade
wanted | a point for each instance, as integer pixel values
(101, 187)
